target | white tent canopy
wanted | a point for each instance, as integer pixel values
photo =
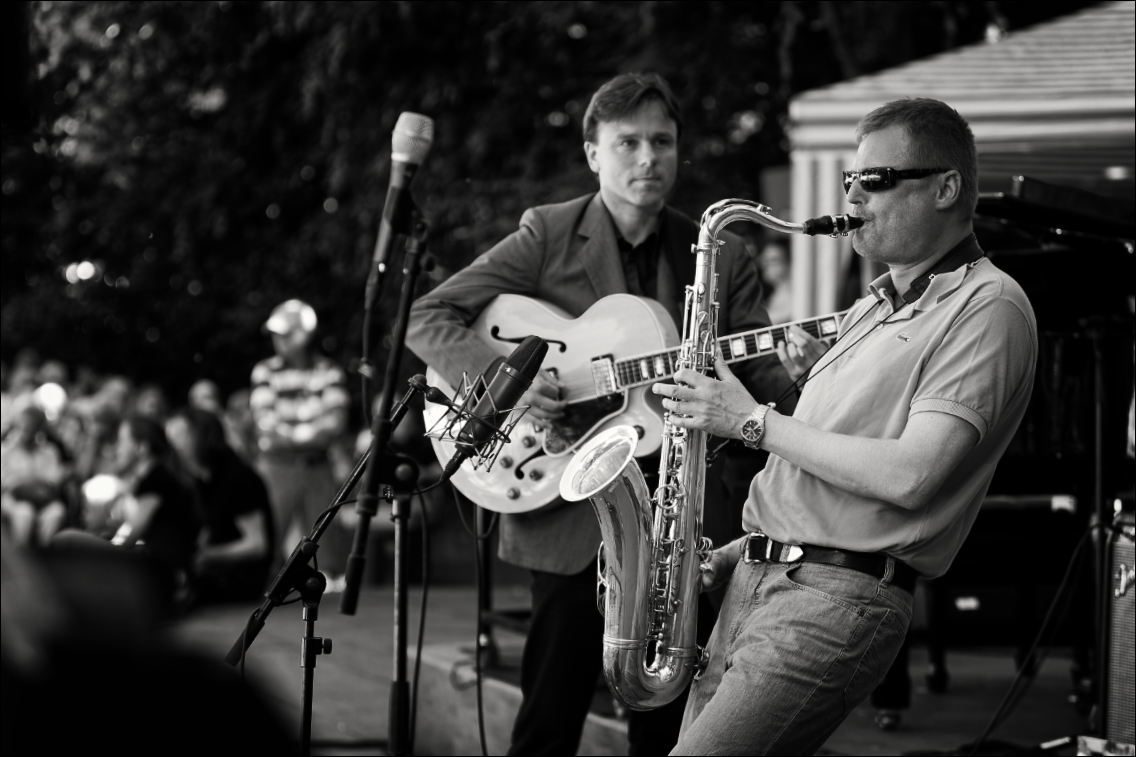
(1056, 102)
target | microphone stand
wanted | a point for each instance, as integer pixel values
(298, 575)
(401, 476)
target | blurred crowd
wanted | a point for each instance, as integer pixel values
(101, 456)
(123, 507)
(212, 492)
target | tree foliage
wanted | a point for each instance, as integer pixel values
(210, 159)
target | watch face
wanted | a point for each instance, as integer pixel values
(749, 431)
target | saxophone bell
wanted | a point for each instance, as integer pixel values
(644, 666)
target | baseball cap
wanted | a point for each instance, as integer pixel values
(290, 316)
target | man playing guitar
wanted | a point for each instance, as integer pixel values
(622, 239)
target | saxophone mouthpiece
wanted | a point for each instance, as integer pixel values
(832, 225)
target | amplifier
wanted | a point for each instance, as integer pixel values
(1120, 688)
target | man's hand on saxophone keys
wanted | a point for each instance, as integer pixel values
(718, 406)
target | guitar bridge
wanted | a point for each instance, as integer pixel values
(603, 375)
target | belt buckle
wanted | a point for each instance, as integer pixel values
(746, 551)
(790, 552)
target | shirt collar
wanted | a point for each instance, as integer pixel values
(938, 281)
(653, 238)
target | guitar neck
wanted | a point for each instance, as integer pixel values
(658, 366)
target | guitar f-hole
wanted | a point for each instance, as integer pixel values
(495, 332)
(520, 472)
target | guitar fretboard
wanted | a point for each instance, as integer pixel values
(657, 366)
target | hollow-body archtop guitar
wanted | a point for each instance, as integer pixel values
(607, 360)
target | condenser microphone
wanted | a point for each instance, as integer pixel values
(410, 143)
(512, 380)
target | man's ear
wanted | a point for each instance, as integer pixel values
(949, 189)
(590, 154)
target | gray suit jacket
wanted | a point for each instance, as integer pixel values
(566, 254)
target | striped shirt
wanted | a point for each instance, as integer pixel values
(290, 402)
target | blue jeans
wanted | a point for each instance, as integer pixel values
(797, 646)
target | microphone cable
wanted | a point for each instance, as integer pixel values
(479, 542)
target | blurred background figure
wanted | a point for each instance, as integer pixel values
(53, 372)
(151, 508)
(112, 393)
(774, 264)
(240, 426)
(206, 395)
(95, 445)
(32, 478)
(151, 402)
(235, 552)
(5, 400)
(299, 402)
(160, 512)
(22, 380)
(70, 617)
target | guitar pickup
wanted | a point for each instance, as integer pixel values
(603, 375)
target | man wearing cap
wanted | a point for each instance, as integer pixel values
(299, 402)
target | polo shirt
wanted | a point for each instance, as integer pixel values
(967, 347)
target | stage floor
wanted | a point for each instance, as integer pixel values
(352, 684)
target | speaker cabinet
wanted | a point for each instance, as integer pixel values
(1120, 688)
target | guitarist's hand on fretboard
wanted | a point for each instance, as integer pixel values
(801, 352)
(544, 398)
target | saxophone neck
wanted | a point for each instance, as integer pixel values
(721, 214)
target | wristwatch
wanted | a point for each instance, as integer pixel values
(753, 429)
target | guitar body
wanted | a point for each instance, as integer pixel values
(526, 475)
(607, 360)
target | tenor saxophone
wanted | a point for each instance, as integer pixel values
(647, 575)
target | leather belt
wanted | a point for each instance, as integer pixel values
(760, 548)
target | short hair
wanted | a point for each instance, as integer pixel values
(625, 94)
(940, 138)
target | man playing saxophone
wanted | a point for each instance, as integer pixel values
(879, 474)
(622, 239)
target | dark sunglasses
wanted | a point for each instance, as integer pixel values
(879, 179)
